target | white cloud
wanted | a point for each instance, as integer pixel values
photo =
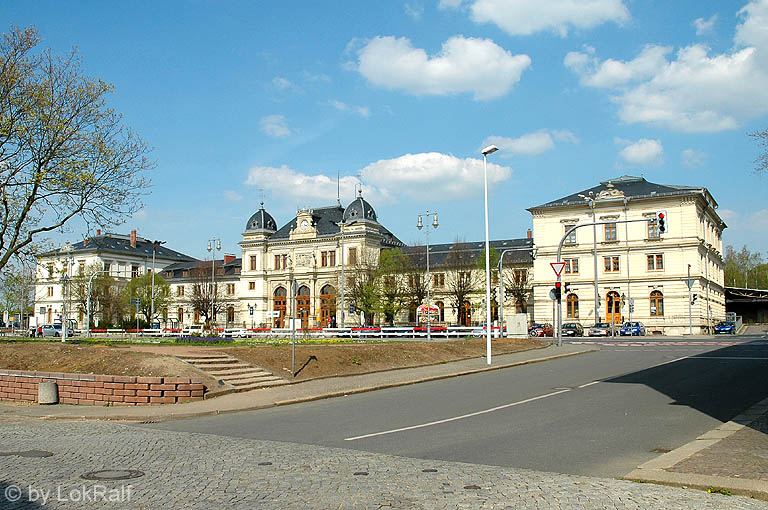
(704, 26)
(232, 196)
(477, 66)
(692, 90)
(444, 176)
(414, 11)
(727, 214)
(530, 143)
(449, 4)
(690, 158)
(281, 83)
(363, 111)
(288, 183)
(758, 221)
(275, 126)
(643, 152)
(525, 17)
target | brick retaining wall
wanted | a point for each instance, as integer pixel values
(89, 389)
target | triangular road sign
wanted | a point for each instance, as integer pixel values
(557, 267)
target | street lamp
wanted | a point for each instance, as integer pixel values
(155, 245)
(66, 252)
(488, 150)
(420, 225)
(215, 242)
(591, 201)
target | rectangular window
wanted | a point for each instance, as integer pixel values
(180, 290)
(324, 259)
(253, 262)
(438, 280)
(571, 266)
(332, 258)
(571, 239)
(611, 264)
(655, 262)
(106, 267)
(411, 280)
(464, 277)
(134, 271)
(230, 289)
(277, 261)
(50, 270)
(284, 259)
(251, 285)
(50, 291)
(352, 258)
(81, 268)
(653, 229)
(610, 232)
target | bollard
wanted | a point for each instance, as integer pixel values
(47, 393)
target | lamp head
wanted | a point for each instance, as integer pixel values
(489, 150)
(419, 224)
(434, 222)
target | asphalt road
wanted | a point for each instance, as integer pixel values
(599, 414)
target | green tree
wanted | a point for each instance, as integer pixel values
(141, 288)
(392, 284)
(107, 308)
(16, 291)
(745, 268)
(361, 285)
(63, 153)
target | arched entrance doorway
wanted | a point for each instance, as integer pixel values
(279, 306)
(613, 308)
(440, 305)
(328, 306)
(303, 306)
(465, 314)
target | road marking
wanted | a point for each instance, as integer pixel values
(730, 357)
(455, 418)
(588, 384)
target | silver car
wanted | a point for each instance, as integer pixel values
(51, 330)
(602, 329)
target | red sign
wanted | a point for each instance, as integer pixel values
(557, 267)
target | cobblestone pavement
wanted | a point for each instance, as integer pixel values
(742, 455)
(183, 470)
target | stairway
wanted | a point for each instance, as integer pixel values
(237, 373)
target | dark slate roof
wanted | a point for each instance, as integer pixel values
(261, 220)
(358, 210)
(326, 220)
(632, 187)
(441, 254)
(121, 244)
(177, 269)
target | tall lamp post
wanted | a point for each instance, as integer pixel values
(488, 150)
(214, 243)
(66, 251)
(420, 225)
(155, 245)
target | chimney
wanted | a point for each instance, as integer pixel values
(530, 234)
(133, 239)
(228, 258)
(98, 231)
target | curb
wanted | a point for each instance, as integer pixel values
(655, 470)
(183, 415)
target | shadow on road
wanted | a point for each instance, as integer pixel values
(16, 496)
(722, 383)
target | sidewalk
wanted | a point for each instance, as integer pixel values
(733, 458)
(292, 393)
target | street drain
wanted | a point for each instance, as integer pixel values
(429, 470)
(361, 473)
(265, 463)
(661, 450)
(112, 474)
(471, 486)
(38, 454)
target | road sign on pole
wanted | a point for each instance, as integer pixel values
(557, 267)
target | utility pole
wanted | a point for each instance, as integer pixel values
(690, 313)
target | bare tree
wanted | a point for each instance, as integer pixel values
(207, 297)
(517, 286)
(392, 284)
(63, 152)
(762, 160)
(462, 278)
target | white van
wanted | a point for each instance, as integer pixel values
(192, 330)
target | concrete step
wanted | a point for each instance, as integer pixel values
(210, 361)
(236, 371)
(247, 375)
(256, 386)
(203, 357)
(224, 366)
(253, 380)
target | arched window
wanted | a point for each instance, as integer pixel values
(657, 304)
(441, 306)
(302, 306)
(572, 306)
(327, 306)
(279, 306)
(180, 315)
(231, 314)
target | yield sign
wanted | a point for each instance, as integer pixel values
(557, 267)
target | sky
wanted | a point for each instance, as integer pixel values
(286, 102)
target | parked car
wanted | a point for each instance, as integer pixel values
(725, 327)
(235, 333)
(51, 330)
(602, 329)
(192, 330)
(632, 329)
(573, 329)
(537, 330)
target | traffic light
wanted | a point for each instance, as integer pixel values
(558, 290)
(693, 301)
(661, 221)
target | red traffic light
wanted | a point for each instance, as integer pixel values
(661, 216)
(557, 285)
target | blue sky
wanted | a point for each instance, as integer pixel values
(281, 96)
